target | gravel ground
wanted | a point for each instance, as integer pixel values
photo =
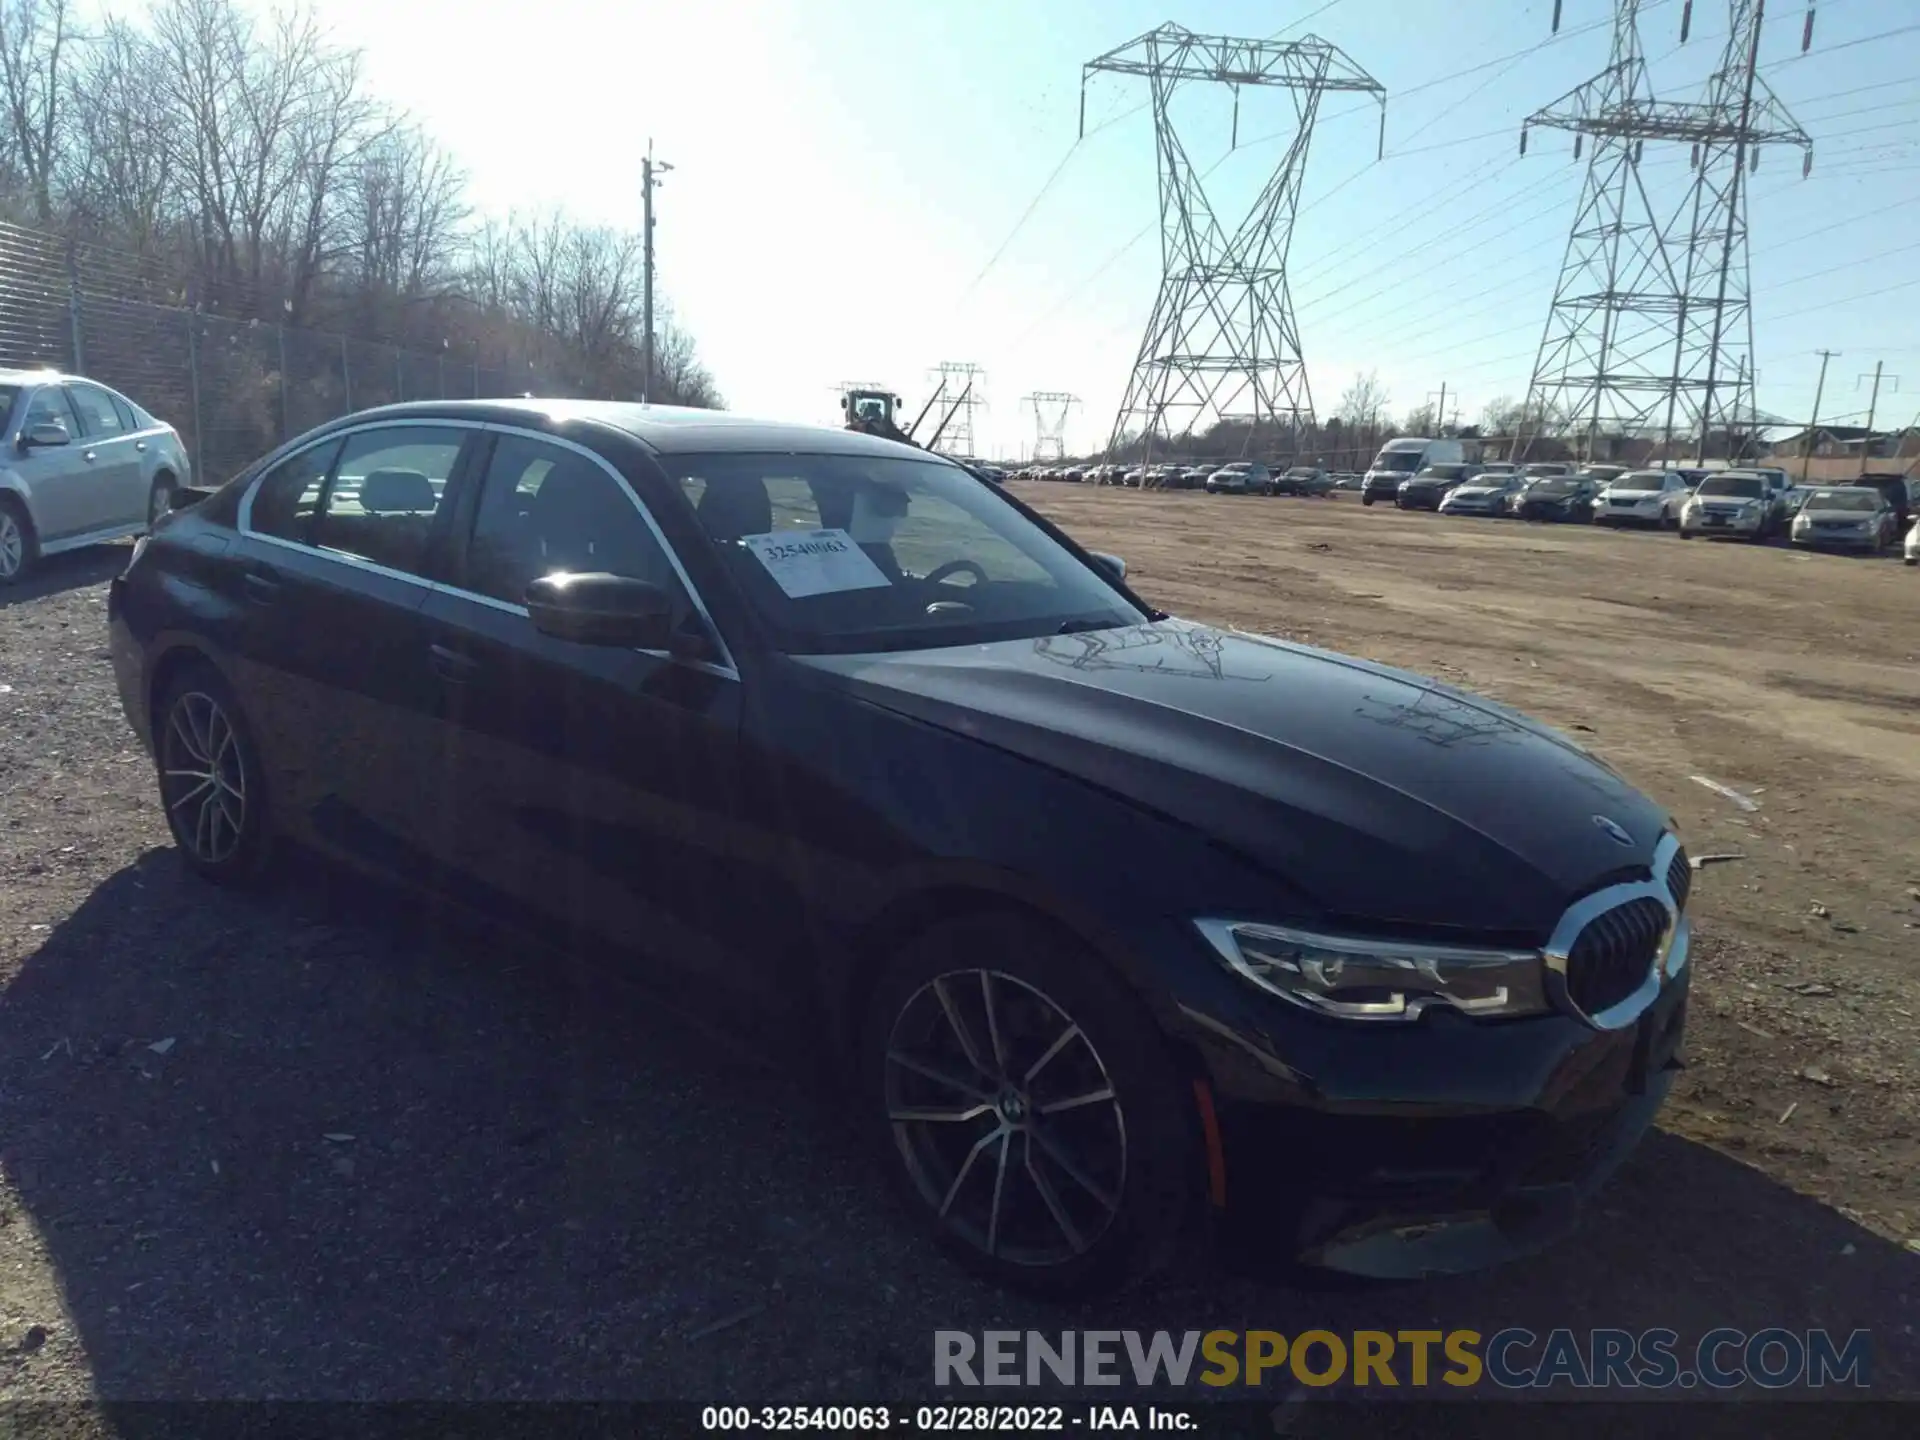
(315, 1144)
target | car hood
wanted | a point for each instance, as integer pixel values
(1476, 492)
(1636, 496)
(1382, 796)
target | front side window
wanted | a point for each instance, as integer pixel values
(386, 492)
(97, 413)
(847, 553)
(49, 407)
(545, 508)
(288, 496)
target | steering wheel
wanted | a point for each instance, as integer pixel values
(955, 567)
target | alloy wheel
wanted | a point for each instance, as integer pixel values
(1005, 1117)
(203, 778)
(13, 545)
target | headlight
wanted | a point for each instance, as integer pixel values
(1354, 979)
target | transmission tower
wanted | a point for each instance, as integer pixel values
(1651, 330)
(1221, 342)
(964, 382)
(1050, 409)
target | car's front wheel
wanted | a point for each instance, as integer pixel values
(17, 547)
(212, 784)
(1028, 1107)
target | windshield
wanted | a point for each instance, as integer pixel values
(1442, 472)
(1553, 485)
(848, 553)
(1746, 487)
(1546, 467)
(1305, 472)
(1843, 500)
(1645, 480)
(1402, 461)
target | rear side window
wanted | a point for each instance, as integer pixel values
(386, 492)
(288, 496)
(97, 412)
(128, 420)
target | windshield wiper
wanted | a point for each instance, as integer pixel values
(1075, 627)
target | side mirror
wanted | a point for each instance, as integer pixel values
(45, 433)
(600, 609)
(1111, 562)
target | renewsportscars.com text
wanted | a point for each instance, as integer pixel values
(1515, 1358)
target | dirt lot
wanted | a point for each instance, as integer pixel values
(313, 1145)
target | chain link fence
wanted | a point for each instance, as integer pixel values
(233, 388)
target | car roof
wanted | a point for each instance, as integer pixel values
(35, 377)
(665, 429)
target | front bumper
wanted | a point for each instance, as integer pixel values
(1834, 539)
(1441, 1147)
(1227, 487)
(1628, 515)
(1540, 510)
(1418, 499)
(1744, 526)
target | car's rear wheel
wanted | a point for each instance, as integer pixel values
(18, 547)
(1366, 499)
(159, 498)
(212, 784)
(1030, 1111)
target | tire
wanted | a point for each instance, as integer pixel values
(19, 546)
(201, 738)
(1366, 499)
(996, 1199)
(159, 499)
(1684, 535)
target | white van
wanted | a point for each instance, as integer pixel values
(1404, 458)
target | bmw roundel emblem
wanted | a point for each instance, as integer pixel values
(1614, 832)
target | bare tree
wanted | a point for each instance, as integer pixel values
(34, 36)
(1421, 420)
(404, 215)
(239, 154)
(121, 179)
(1364, 401)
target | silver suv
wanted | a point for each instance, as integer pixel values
(79, 464)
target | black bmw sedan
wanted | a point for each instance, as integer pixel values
(1115, 920)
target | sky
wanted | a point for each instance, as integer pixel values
(863, 191)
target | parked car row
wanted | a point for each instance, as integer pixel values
(1225, 477)
(1756, 504)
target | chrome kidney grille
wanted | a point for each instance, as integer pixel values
(1613, 949)
(1614, 954)
(1680, 879)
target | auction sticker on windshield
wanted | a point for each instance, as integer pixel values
(814, 562)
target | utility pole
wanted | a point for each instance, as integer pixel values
(1440, 415)
(650, 172)
(1873, 404)
(1806, 446)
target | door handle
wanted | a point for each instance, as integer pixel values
(86, 454)
(261, 584)
(450, 665)
(140, 445)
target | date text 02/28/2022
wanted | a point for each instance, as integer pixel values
(939, 1419)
